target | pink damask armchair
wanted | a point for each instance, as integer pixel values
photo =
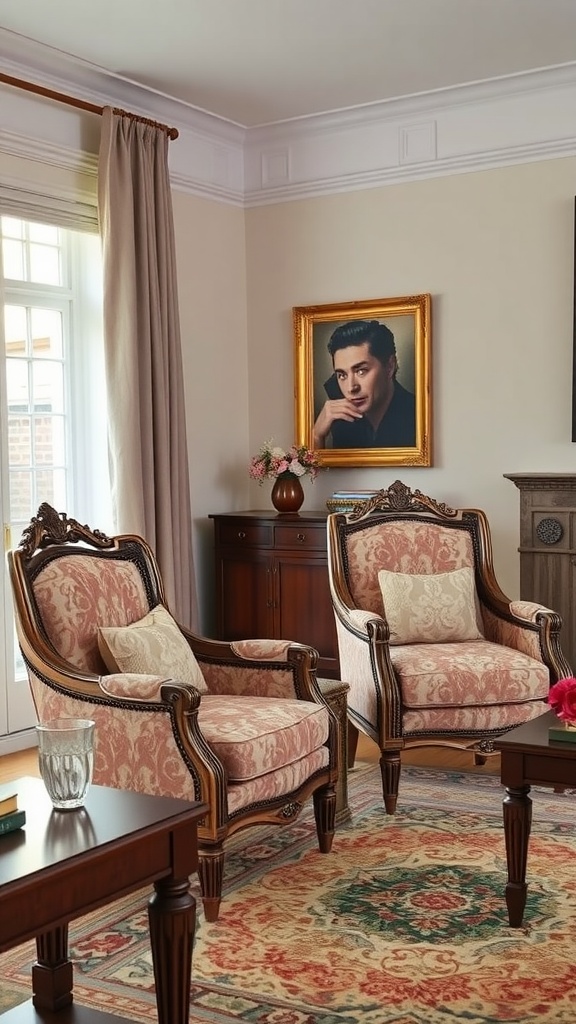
(241, 727)
(433, 651)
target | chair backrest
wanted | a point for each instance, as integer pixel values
(68, 580)
(404, 531)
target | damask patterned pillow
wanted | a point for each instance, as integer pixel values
(153, 645)
(436, 608)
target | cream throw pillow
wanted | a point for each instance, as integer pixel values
(438, 608)
(153, 645)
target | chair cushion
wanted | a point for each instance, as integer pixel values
(433, 608)
(467, 675)
(154, 645)
(256, 735)
(281, 782)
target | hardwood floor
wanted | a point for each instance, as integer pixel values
(14, 766)
(432, 757)
(25, 762)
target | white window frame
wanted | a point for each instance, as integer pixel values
(87, 481)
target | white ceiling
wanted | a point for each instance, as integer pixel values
(259, 61)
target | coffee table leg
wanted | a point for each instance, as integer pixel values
(52, 973)
(517, 823)
(172, 917)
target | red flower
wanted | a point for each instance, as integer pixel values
(562, 699)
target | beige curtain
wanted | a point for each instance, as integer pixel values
(147, 428)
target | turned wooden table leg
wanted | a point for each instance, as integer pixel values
(517, 808)
(172, 917)
(52, 973)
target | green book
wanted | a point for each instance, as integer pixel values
(10, 822)
(562, 734)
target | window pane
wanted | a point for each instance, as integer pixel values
(47, 386)
(31, 252)
(19, 441)
(21, 505)
(13, 258)
(17, 385)
(15, 329)
(44, 233)
(46, 333)
(49, 441)
(51, 487)
(45, 264)
(12, 227)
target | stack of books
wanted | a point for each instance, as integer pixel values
(344, 501)
(11, 816)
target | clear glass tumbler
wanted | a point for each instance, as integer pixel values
(66, 760)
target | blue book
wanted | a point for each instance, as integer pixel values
(10, 822)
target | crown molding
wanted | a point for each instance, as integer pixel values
(516, 119)
(470, 128)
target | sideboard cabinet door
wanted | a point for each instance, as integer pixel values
(272, 581)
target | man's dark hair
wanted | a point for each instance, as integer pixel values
(355, 332)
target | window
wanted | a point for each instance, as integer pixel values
(52, 385)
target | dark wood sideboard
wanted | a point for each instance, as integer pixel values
(272, 581)
(548, 547)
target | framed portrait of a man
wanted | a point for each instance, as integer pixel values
(362, 381)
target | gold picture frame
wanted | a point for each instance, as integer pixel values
(318, 382)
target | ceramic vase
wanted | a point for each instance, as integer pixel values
(287, 493)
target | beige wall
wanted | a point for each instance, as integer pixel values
(495, 250)
(210, 252)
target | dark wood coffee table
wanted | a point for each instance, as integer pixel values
(63, 864)
(528, 758)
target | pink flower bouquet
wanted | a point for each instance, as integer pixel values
(273, 461)
(562, 699)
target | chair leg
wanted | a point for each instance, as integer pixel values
(211, 876)
(325, 816)
(390, 765)
(352, 744)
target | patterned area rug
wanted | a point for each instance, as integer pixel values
(403, 923)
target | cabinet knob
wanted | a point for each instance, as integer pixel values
(241, 535)
(301, 537)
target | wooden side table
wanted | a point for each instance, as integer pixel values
(336, 693)
(63, 864)
(528, 758)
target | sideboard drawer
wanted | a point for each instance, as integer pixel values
(246, 534)
(300, 536)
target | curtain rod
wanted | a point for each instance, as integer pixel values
(72, 101)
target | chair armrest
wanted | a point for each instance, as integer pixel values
(146, 738)
(529, 610)
(262, 650)
(260, 668)
(357, 620)
(138, 687)
(530, 628)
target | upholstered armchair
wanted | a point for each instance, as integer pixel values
(433, 651)
(242, 727)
